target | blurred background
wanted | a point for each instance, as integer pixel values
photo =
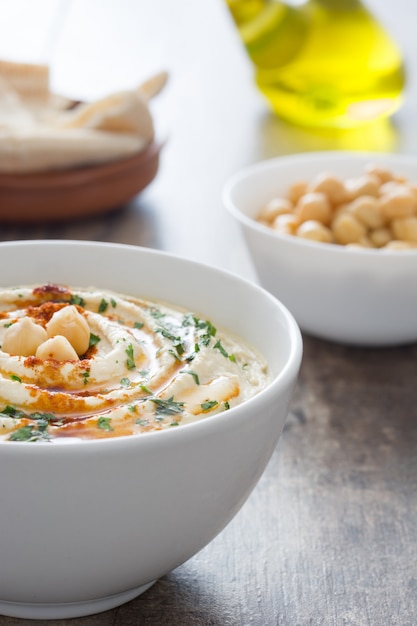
(211, 115)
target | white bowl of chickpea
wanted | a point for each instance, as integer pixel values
(333, 235)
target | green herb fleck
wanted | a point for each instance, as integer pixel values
(218, 346)
(16, 378)
(28, 433)
(105, 423)
(94, 339)
(226, 405)
(174, 424)
(31, 432)
(11, 411)
(130, 361)
(138, 325)
(74, 299)
(86, 376)
(157, 314)
(178, 344)
(7, 325)
(167, 407)
(125, 382)
(146, 390)
(113, 303)
(210, 404)
(175, 355)
(193, 374)
(103, 306)
(209, 331)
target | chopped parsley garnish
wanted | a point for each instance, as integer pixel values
(157, 314)
(193, 374)
(125, 382)
(7, 325)
(177, 341)
(11, 411)
(42, 417)
(74, 299)
(130, 361)
(141, 422)
(210, 404)
(226, 405)
(138, 325)
(103, 306)
(29, 433)
(146, 390)
(209, 331)
(175, 355)
(167, 407)
(174, 424)
(32, 432)
(144, 373)
(188, 319)
(113, 303)
(218, 346)
(94, 339)
(16, 378)
(86, 376)
(105, 423)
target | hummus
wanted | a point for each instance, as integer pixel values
(148, 366)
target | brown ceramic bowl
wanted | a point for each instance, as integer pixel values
(76, 193)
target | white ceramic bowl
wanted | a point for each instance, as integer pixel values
(354, 296)
(90, 525)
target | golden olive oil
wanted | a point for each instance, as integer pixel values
(326, 63)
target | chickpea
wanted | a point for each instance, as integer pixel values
(331, 186)
(57, 348)
(376, 209)
(286, 224)
(69, 323)
(396, 244)
(413, 189)
(398, 203)
(23, 337)
(342, 208)
(275, 207)
(364, 242)
(366, 185)
(347, 229)
(391, 186)
(297, 190)
(314, 230)
(380, 237)
(314, 206)
(367, 210)
(405, 228)
(382, 173)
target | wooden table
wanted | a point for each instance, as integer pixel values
(329, 535)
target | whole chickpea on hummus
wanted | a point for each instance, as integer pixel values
(87, 364)
(377, 209)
